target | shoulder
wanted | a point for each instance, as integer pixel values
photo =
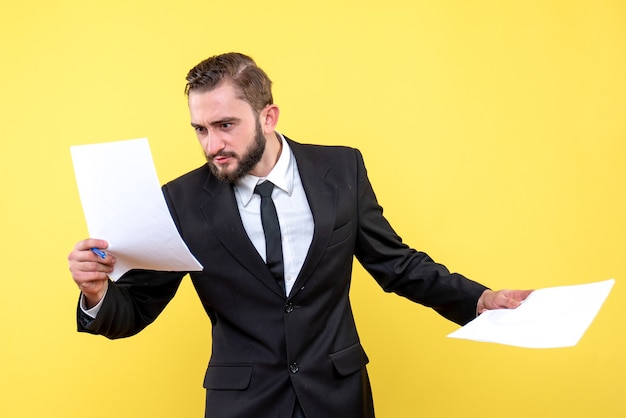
(193, 185)
(324, 152)
(197, 176)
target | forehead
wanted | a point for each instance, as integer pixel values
(222, 101)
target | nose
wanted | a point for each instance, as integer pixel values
(213, 143)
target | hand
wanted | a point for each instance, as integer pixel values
(502, 299)
(90, 271)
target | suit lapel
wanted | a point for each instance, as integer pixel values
(222, 213)
(322, 197)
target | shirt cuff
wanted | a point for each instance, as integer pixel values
(92, 312)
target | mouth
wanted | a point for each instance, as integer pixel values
(222, 158)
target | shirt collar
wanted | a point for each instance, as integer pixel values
(281, 175)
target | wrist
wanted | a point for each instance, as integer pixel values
(481, 306)
(91, 299)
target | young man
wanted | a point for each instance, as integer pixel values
(284, 338)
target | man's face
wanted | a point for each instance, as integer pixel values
(228, 130)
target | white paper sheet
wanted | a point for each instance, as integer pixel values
(123, 204)
(549, 318)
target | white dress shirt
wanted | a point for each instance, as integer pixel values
(292, 207)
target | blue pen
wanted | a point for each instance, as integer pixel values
(99, 253)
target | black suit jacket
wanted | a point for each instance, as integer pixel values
(269, 349)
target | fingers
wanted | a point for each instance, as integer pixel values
(502, 299)
(85, 265)
(90, 271)
(90, 243)
(83, 252)
(514, 298)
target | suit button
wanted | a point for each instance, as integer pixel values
(289, 308)
(294, 368)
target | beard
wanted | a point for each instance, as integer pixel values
(245, 162)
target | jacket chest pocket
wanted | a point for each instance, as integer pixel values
(340, 234)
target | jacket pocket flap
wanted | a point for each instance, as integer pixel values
(228, 377)
(349, 360)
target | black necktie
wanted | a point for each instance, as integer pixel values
(271, 229)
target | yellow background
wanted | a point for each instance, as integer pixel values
(495, 137)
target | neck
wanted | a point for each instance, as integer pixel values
(273, 148)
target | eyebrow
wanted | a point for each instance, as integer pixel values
(217, 122)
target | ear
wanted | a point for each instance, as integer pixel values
(269, 118)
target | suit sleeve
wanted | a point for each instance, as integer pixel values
(402, 270)
(133, 302)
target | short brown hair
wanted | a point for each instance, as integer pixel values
(254, 85)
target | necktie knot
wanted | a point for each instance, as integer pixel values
(264, 189)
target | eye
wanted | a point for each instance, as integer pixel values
(199, 129)
(226, 125)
